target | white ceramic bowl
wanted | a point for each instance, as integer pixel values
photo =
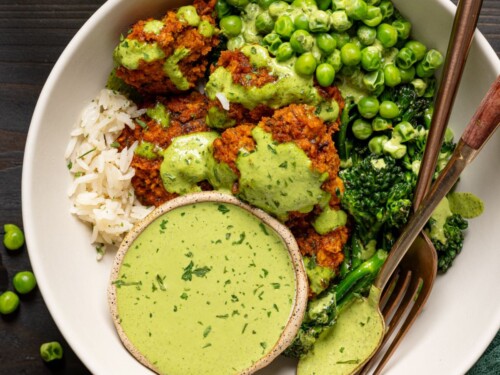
(461, 317)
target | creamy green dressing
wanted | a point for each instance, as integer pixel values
(341, 349)
(278, 178)
(440, 214)
(189, 160)
(205, 289)
(329, 219)
(160, 114)
(130, 52)
(154, 26)
(465, 204)
(172, 70)
(146, 150)
(289, 88)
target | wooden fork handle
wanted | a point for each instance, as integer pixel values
(486, 119)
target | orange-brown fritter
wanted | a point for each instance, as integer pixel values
(187, 115)
(149, 77)
(298, 123)
(242, 71)
(232, 140)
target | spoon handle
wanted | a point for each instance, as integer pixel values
(488, 115)
(484, 123)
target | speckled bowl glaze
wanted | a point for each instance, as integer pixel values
(301, 283)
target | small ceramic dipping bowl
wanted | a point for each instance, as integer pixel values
(207, 285)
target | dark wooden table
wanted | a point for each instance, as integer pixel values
(32, 36)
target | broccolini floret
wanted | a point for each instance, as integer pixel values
(378, 195)
(323, 312)
(453, 231)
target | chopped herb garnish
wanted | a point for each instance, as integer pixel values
(86, 153)
(115, 144)
(207, 331)
(276, 285)
(223, 209)
(141, 123)
(242, 238)
(225, 316)
(264, 229)
(160, 280)
(189, 271)
(349, 362)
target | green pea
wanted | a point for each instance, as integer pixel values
(334, 60)
(373, 2)
(264, 23)
(272, 42)
(325, 74)
(374, 81)
(341, 39)
(51, 351)
(366, 35)
(9, 302)
(324, 4)
(231, 25)
(407, 75)
(301, 22)
(235, 42)
(24, 282)
(356, 9)
(305, 64)
(368, 106)
(392, 75)
(371, 58)
(284, 27)
(277, 8)
(420, 86)
(387, 35)
(403, 28)
(432, 60)
(303, 4)
(301, 41)
(222, 8)
(380, 124)
(13, 238)
(404, 131)
(405, 58)
(319, 21)
(326, 43)
(394, 148)
(428, 113)
(388, 109)
(264, 4)
(284, 52)
(338, 4)
(373, 16)
(418, 48)
(362, 129)
(238, 3)
(376, 144)
(387, 8)
(340, 21)
(350, 54)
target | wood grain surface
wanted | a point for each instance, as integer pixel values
(32, 36)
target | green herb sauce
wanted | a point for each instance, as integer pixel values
(279, 178)
(160, 114)
(205, 289)
(130, 52)
(172, 70)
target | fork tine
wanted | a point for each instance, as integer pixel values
(406, 297)
(427, 270)
(391, 287)
(395, 298)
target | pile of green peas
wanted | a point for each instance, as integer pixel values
(24, 281)
(330, 37)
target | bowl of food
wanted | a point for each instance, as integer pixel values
(314, 112)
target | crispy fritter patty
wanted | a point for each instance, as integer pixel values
(242, 71)
(187, 115)
(149, 77)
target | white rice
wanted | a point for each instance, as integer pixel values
(101, 191)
